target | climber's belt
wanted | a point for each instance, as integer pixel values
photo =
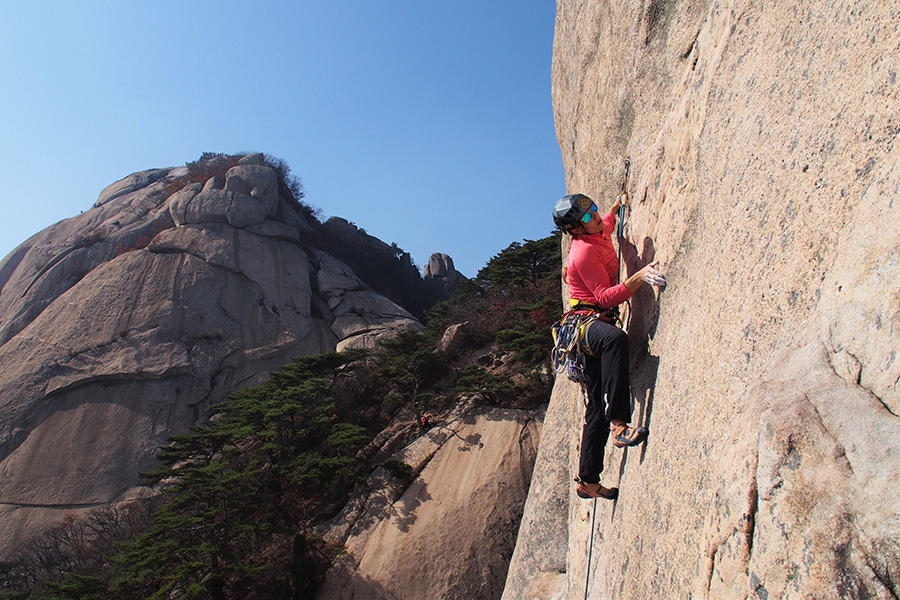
(610, 315)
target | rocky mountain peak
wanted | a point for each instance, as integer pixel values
(440, 273)
(121, 326)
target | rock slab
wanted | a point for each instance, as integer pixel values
(450, 533)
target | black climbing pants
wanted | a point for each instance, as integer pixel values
(609, 394)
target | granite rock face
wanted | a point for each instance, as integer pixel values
(765, 178)
(119, 327)
(385, 267)
(448, 533)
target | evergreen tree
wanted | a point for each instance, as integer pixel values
(234, 485)
(528, 263)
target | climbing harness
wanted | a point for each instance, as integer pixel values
(569, 345)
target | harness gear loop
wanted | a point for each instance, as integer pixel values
(569, 345)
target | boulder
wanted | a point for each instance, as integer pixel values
(257, 181)
(179, 202)
(454, 339)
(254, 158)
(213, 183)
(441, 276)
(440, 266)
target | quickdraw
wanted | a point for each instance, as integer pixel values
(621, 225)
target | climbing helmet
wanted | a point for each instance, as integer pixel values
(569, 211)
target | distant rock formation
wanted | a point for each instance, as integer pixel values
(386, 268)
(765, 178)
(441, 275)
(121, 326)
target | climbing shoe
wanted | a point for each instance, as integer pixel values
(595, 490)
(624, 435)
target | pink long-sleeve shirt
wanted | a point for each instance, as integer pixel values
(593, 268)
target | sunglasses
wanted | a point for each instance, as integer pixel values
(586, 217)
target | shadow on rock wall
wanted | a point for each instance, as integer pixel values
(643, 319)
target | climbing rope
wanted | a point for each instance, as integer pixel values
(621, 235)
(620, 231)
(587, 580)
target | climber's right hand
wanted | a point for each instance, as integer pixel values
(651, 276)
(648, 275)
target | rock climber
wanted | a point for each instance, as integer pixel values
(592, 273)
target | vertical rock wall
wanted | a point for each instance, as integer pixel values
(766, 181)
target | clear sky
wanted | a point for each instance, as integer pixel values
(428, 124)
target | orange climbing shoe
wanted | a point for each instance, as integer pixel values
(595, 490)
(623, 435)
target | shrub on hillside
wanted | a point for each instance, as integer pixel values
(513, 300)
(290, 187)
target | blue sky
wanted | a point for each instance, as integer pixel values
(428, 124)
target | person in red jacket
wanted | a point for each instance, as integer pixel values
(592, 272)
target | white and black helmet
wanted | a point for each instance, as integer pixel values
(569, 209)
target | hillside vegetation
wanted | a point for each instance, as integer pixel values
(240, 496)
